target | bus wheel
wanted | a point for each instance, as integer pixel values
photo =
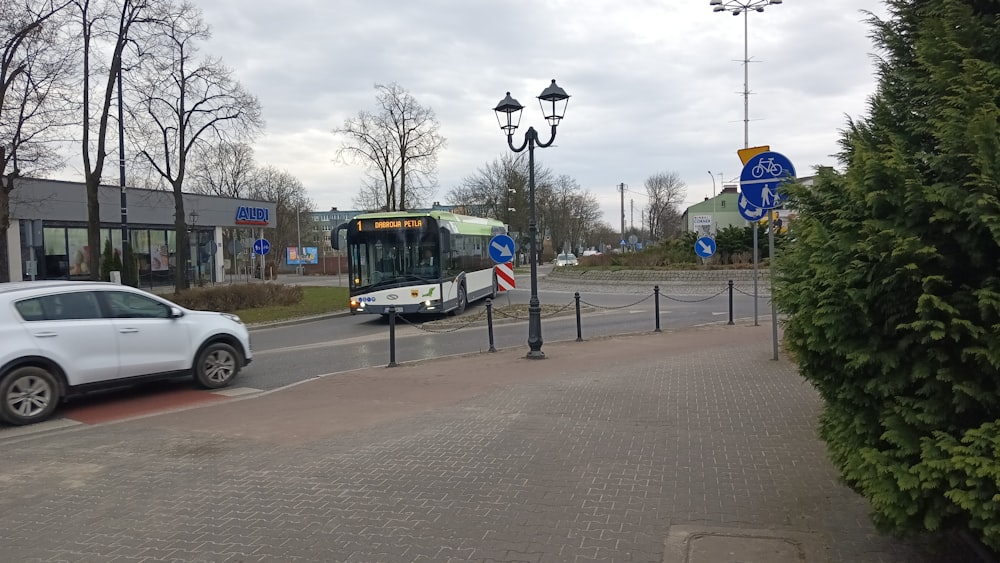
(463, 300)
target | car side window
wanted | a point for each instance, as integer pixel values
(30, 309)
(60, 307)
(126, 305)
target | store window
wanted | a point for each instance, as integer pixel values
(79, 253)
(141, 257)
(56, 260)
(159, 258)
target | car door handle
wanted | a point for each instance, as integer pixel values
(46, 334)
(128, 330)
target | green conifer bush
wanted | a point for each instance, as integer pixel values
(892, 281)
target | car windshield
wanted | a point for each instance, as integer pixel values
(566, 257)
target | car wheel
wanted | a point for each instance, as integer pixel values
(216, 365)
(30, 394)
(463, 300)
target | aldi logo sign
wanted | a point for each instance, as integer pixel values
(246, 215)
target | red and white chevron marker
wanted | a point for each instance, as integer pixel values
(505, 276)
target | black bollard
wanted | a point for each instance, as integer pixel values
(489, 322)
(579, 328)
(656, 299)
(731, 302)
(392, 337)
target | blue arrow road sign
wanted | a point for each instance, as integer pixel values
(705, 247)
(761, 177)
(261, 246)
(748, 211)
(501, 249)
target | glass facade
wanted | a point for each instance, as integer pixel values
(64, 252)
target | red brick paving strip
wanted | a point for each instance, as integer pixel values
(99, 410)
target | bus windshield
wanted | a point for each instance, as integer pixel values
(393, 257)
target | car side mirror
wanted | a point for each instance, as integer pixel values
(176, 313)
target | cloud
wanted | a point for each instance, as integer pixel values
(656, 86)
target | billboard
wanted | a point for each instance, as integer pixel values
(308, 255)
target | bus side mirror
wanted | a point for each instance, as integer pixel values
(335, 236)
(445, 241)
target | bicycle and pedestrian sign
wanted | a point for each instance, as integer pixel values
(761, 177)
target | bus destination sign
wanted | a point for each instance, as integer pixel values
(389, 224)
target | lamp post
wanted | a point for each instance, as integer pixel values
(737, 7)
(509, 117)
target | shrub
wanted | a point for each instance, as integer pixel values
(891, 284)
(231, 298)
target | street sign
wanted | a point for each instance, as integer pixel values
(505, 277)
(702, 220)
(261, 246)
(501, 249)
(748, 153)
(705, 247)
(748, 211)
(761, 177)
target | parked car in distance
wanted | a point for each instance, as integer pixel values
(63, 338)
(566, 259)
(591, 253)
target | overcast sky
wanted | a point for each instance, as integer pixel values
(656, 86)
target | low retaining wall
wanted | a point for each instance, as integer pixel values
(661, 276)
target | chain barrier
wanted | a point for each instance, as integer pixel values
(646, 298)
(420, 326)
(515, 316)
(577, 301)
(503, 313)
(679, 300)
(738, 290)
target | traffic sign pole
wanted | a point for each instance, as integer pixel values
(760, 180)
(774, 309)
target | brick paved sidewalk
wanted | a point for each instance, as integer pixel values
(677, 446)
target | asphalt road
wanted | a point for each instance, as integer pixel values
(291, 353)
(287, 354)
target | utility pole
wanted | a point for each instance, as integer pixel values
(621, 188)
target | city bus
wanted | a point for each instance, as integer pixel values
(418, 262)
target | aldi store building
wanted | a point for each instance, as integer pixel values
(47, 238)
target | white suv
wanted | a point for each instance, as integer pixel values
(62, 338)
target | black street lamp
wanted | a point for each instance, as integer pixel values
(557, 97)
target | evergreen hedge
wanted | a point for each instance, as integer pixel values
(892, 284)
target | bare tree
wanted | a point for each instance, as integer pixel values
(500, 188)
(371, 196)
(103, 24)
(399, 145)
(290, 200)
(33, 68)
(568, 212)
(183, 105)
(666, 192)
(227, 170)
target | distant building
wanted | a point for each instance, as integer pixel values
(715, 214)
